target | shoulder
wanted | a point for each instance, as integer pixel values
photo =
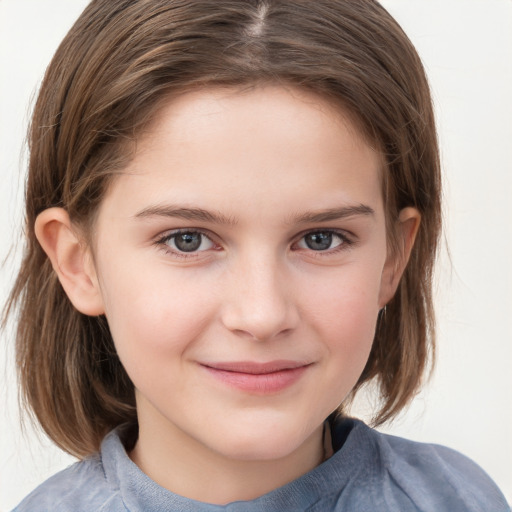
(433, 477)
(81, 487)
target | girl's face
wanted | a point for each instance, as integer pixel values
(241, 262)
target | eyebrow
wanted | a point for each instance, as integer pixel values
(334, 214)
(186, 213)
(214, 217)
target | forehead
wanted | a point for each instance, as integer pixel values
(300, 111)
(226, 147)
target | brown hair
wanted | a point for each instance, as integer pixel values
(114, 68)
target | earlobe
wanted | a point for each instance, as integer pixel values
(408, 223)
(71, 260)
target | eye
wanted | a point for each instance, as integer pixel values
(187, 241)
(322, 241)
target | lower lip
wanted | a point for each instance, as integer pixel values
(261, 383)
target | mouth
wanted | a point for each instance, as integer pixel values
(258, 378)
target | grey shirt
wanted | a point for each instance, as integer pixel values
(368, 472)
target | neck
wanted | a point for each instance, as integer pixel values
(186, 467)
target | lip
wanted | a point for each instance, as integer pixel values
(258, 378)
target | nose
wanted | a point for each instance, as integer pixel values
(260, 302)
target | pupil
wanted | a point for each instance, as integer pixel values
(319, 241)
(188, 242)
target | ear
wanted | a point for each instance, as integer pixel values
(408, 223)
(71, 260)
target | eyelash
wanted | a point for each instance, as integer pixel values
(346, 241)
(163, 242)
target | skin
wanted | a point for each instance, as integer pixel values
(269, 166)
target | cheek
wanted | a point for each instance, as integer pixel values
(344, 311)
(153, 314)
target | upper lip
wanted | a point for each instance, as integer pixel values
(255, 368)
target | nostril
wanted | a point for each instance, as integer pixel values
(265, 337)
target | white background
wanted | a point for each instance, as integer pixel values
(466, 46)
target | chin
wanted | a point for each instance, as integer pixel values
(262, 442)
(260, 448)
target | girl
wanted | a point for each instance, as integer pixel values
(232, 216)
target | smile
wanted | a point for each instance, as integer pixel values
(257, 378)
